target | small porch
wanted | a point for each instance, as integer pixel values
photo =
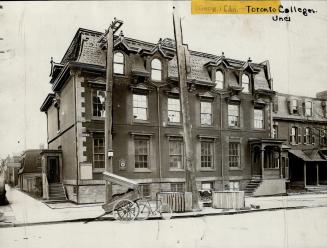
(51, 163)
(308, 168)
(268, 158)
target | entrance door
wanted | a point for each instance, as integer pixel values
(53, 170)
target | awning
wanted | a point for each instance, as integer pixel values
(308, 156)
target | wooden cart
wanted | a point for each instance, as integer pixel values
(123, 206)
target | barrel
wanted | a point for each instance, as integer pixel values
(228, 199)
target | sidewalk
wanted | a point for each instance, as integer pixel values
(25, 210)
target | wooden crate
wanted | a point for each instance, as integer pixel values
(176, 200)
(228, 199)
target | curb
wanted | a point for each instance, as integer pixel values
(196, 215)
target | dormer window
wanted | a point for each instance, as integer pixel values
(246, 83)
(156, 70)
(308, 108)
(219, 80)
(119, 63)
(294, 106)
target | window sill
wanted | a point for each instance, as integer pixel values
(206, 126)
(174, 123)
(235, 168)
(142, 170)
(236, 128)
(98, 170)
(207, 169)
(176, 169)
(273, 169)
(95, 118)
(141, 121)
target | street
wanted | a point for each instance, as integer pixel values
(282, 228)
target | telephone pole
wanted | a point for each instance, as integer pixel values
(181, 50)
(107, 40)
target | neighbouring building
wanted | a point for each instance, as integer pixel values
(230, 102)
(302, 121)
(29, 174)
(12, 165)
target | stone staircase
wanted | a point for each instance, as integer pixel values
(57, 192)
(252, 185)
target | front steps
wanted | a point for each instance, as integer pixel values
(57, 192)
(252, 185)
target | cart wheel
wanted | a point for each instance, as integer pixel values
(165, 211)
(144, 211)
(125, 210)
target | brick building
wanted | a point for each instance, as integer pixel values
(302, 121)
(230, 102)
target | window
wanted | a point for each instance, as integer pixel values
(98, 153)
(145, 190)
(294, 135)
(258, 118)
(206, 113)
(234, 185)
(206, 185)
(275, 131)
(58, 118)
(308, 108)
(119, 63)
(174, 110)
(177, 187)
(156, 70)
(206, 154)
(140, 107)
(98, 103)
(141, 153)
(234, 155)
(307, 135)
(323, 137)
(294, 106)
(233, 115)
(219, 80)
(176, 154)
(246, 83)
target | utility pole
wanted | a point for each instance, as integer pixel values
(187, 126)
(107, 39)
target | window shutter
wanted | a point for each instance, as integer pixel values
(289, 105)
(275, 105)
(299, 132)
(290, 135)
(300, 107)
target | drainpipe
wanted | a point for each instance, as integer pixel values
(76, 154)
(221, 129)
(159, 129)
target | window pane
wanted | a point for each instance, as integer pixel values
(219, 80)
(140, 107)
(234, 154)
(98, 153)
(258, 118)
(141, 153)
(245, 83)
(206, 154)
(156, 69)
(233, 115)
(176, 154)
(206, 113)
(173, 110)
(98, 103)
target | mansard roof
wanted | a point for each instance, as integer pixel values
(86, 49)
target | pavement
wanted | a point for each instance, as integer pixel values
(25, 210)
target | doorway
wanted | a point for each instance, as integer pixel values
(53, 174)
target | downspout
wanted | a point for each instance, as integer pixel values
(77, 163)
(159, 135)
(221, 130)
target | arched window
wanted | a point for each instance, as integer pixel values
(156, 70)
(219, 80)
(119, 63)
(246, 83)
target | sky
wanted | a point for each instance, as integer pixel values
(34, 32)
